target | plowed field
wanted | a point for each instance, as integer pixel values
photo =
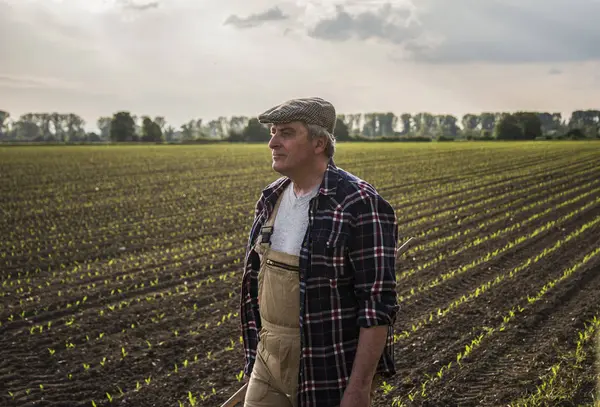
(120, 271)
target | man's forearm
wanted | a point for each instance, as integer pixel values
(371, 343)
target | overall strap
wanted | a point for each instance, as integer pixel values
(266, 231)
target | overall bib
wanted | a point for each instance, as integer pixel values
(274, 378)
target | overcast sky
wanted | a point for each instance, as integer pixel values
(186, 59)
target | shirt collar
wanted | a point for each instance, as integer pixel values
(328, 185)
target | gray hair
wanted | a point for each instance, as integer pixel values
(315, 131)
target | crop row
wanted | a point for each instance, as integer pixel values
(485, 334)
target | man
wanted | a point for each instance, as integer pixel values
(318, 292)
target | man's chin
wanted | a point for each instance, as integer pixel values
(278, 167)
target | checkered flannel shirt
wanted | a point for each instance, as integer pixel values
(347, 281)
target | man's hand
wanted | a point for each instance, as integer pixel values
(355, 396)
(370, 345)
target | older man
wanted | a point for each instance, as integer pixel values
(318, 292)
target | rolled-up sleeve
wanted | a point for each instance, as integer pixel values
(372, 254)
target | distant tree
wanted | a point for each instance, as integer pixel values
(235, 136)
(508, 128)
(406, 123)
(256, 131)
(103, 124)
(488, 120)
(446, 125)
(26, 128)
(353, 122)
(588, 121)
(424, 124)
(370, 125)
(58, 123)
(575, 134)
(530, 123)
(387, 123)
(122, 127)
(341, 132)
(4, 120)
(75, 127)
(161, 123)
(470, 122)
(49, 127)
(93, 137)
(151, 131)
(47, 123)
(215, 128)
(169, 133)
(187, 131)
(550, 122)
(237, 124)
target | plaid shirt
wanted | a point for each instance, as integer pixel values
(347, 281)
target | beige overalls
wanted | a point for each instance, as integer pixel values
(274, 379)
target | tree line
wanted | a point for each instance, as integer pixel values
(126, 127)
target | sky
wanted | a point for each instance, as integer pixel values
(191, 59)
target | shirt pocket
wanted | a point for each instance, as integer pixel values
(329, 256)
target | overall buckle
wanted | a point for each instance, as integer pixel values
(266, 232)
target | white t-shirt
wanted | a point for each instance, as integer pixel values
(291, 221)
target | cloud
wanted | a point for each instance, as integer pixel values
(133, 5)
(38, 42)
(28, 82)
(179, 60)
(388, 23)
(254, 20)
(463, 31)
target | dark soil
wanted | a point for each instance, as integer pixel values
(152, 345)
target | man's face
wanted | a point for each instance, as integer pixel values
(292, 150)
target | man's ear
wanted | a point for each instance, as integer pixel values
(320, 144)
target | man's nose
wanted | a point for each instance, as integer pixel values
(274, 141)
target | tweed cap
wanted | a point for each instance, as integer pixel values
(311, 110)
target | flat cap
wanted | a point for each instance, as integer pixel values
(311, 110)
